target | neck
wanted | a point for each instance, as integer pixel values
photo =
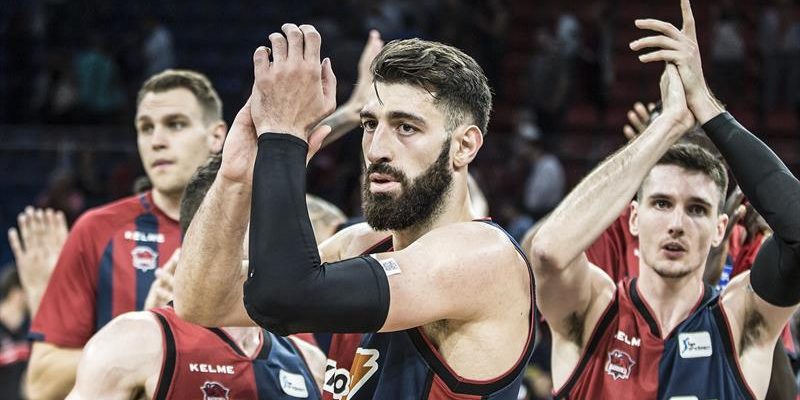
(169, 204)
(456, 208)
(247, 338)
(671, 299)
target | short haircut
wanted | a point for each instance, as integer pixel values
(693, 157)
(197, 188)
(453, 78)
(192, 81)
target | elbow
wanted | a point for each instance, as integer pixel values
(543, 258)
(272, 309)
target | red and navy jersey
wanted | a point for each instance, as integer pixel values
(626, 358)
(105, 269)
(406, 365)
(205, 363)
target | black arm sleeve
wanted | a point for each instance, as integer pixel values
(288, 290)
(775, 194)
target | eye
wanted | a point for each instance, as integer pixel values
(369, 125)
(698, 210)
(660, 204)
(145, 129)
(406, 129)
(176, 125)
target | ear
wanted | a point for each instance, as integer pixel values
(216, 136)
(722, 224)
(633, 221)
(468, 142)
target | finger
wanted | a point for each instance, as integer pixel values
(371, 49)
(172, 263)
(328, 85)
(24, 222)
(294, 37)
(644, 115)
(60, 227)
(669, 56)
(16, 244)
(660, 41)
(316, 139)
(312, 42)
(629, 133)
(260, 61)
(280, 47)
(636, 122)
(39, 228)
(662, 27)
(650, 107)
(688, 19)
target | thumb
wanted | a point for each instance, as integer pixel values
(328, 84)
(316, 138)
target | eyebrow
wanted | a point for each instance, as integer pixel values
(394, 115)
(166, 117)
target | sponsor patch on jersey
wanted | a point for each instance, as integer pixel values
(683, 398)
(365, 364)
(390, 266)
(337, 380)
(293, 384)
(147, 237)
(694, 344)
(214, 391)
(144, 258)
(619, 364)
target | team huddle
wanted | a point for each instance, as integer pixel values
(221, 279)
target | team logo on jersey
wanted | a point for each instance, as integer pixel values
(214, 391)
(293, 384)
(144, 258)
(694, 344)
(342, 383)
(619, 364)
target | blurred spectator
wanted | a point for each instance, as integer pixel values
(779, 45)
(55, 90)
(598, 58)
(14, 321)
(544, 186)
(100, 91)
(727, 52)
(157, 49)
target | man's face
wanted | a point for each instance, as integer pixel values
(408, 167)
(173, 138)
(677, 220)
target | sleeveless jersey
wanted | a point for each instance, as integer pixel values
(205, 363)
(406, 365)
(105, 269)
(625, 357)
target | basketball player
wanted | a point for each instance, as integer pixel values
(665, 334)
(441, 327)
(156, 355)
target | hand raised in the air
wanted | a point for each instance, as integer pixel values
(673, 99)
(295, 91)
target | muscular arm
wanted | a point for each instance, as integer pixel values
(122, 361)
(51, 371)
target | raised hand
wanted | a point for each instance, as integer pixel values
(680, 47)
(638, 119)
(36, 245)
(364, 87)
(161, 290)
(239, 151)
(673, 98)
(295, 91)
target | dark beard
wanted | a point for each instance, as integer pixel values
(418, 203)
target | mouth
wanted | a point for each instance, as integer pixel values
(379, 183)
(673, 250)
(161, 164)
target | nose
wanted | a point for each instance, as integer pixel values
(675, 227)
(159, 139)
(379, 145)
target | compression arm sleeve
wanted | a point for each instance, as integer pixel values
(287, 289)
(775, 193)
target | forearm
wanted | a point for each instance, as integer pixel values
(209, 275)
(764, 179)
(598, 200)
(343, 120)
(51, 371)
(288, 290)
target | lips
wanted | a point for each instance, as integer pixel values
(161, 163)
(673, 249)
(382, 183)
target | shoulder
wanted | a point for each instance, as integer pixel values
(131, 340)
(109, 216)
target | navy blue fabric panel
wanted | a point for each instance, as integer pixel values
(148, 224)
(391, 368)
(277, 375)
(696, 362)
(105, 288)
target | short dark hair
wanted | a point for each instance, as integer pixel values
(452, 77)
(192, 81)
(693, 157)
(197, 188)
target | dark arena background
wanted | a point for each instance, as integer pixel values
(562, 75)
